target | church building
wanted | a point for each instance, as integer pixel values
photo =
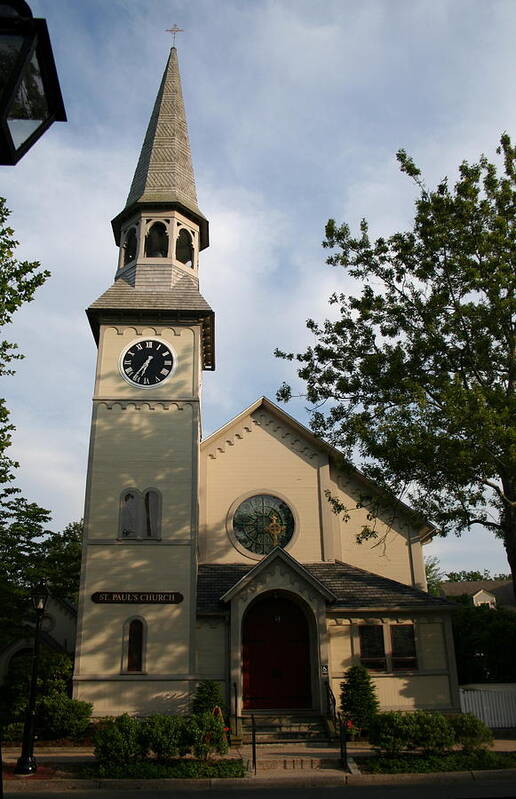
(221, 558)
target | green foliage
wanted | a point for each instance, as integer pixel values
(431, 732)
(54, 675)
(474, 576)
(471, 733)
(207, 735)
(425, 764)
(120, 742)
(358, 701)
(13, 733)
(182, 769)
(434, 575)
(126, 739)
(392, 732)
(417, 372)
(167, 736)
(485, 644)
(208, 695)
(62, 717)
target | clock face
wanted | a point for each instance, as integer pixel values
(147, 363)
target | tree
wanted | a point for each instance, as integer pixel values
(358, 701)
(417, 373)
(475, 576)
(434, 575)
(485, 643)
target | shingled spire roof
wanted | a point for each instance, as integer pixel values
(164, 174)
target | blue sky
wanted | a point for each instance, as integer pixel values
(296, 109)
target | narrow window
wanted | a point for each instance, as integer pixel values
(372, 650)
(151, 513)
(129, 514)
(156, 241)
(135, 646)
(184, 248)
(130, 246)
(403, 647)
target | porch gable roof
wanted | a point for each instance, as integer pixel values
(278, 554)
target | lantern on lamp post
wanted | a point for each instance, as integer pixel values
(26, 763)
(30, 97)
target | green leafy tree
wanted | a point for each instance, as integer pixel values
(474, 576)
(22, 522)
(434, 575)
(485, 643)
(416, 375)
(358, 701)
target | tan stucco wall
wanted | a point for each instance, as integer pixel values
(113, 697)
(249, 460)
(259, 454)
(140, 439)
(211, 648)
(432, 686)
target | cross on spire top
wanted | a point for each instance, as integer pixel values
(173, 30)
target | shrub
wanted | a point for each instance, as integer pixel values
(207, 735)
(13, 733)
(392, 732)
(120, 741)
(208, 694)
(62, 717)
(431, 732)
(166, 736)
(54, 674)
(471, 733)
(182, 769)
(358, 700)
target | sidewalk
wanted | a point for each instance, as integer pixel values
(294, 765)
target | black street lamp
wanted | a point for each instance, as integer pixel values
(26, 763)
(30, 97)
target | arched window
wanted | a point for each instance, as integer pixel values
(151, 509)
(156, 241)
(129, 514)
(130, 246)
(135, 646)
(140, 513)
(184, 248)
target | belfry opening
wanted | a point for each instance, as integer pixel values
(276, 662)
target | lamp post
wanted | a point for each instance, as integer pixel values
(26, 763)
(30, 96)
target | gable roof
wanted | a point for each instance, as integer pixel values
(427, 528)
(502, 590)
(351, 587)
(278, 554)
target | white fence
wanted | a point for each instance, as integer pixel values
(494, 708)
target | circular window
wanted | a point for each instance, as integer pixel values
(263, 522)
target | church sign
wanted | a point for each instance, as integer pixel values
(137, 597)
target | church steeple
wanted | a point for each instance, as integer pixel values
(164, 172)
(161, 230)
(164, 177)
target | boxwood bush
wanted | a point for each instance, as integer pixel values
(126, 740)
(431, 732)
(471, 733)
(392, 732)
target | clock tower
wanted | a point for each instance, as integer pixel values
(155, 335)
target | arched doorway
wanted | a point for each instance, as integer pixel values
(276, 655)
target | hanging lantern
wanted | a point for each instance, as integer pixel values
(30, 97)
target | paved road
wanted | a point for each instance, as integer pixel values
(489, 789)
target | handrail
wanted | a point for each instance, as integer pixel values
(332, 703)
(236, 709)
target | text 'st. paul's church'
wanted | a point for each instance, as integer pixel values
(221, 558)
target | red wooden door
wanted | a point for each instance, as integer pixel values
(276, 656)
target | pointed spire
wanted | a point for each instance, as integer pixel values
(164, 174)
